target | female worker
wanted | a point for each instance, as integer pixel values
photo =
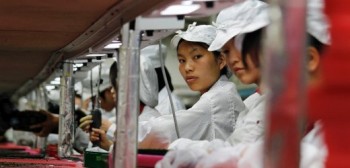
(215, 113)
(243, 153)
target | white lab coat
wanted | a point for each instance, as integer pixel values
(146, 114)
(313, 153)
(164, 106)
(107, 114)
(250, 123)
(213, 116)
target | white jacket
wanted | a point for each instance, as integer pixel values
(213, 116)
(164, 106)
(250, 123)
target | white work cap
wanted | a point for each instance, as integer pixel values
(201, 33)
(148, 78)
(316, 21)
(78, 88)
(105, 84)
(243, 17)
(152, 53)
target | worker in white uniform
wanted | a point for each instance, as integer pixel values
(107, 103)
(232, 24)
(214, 115)
(313, 151)
(148, 100)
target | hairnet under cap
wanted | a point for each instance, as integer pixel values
(148, 82)
(152, 53)
(243, 17)
(201, 33)
(316, 21)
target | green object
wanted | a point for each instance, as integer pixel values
(95, 159)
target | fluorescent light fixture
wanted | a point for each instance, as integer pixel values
(78, 65)
(54, 82)
(75, 68)
(49, 87)
(57, 79)
(203, 0)
(113, 46)
(186, 2)
(96, 55)
(180, 9)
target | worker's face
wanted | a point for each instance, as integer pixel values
(198, 66)
(107, 103)
(114, 94)
(247, 75)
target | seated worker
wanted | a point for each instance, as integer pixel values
(148, 101)
(107, 109)
(313, 150)
(106, 100)
(214, 115)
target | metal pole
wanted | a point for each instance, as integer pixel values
(40, 142)
(285, 57)
(128, 100)
(66, 117)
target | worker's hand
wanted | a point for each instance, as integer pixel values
(181, 158)
(48, 126)
(100, 135)
(85, 123)
(105, 125)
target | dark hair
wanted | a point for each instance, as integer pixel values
(113, 74)
(252, 45)
(102, 94)
(217, 54)
(161, 81)
(312, 41)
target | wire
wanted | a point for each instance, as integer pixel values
(168, 89)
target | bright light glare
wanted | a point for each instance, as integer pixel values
(180, 9)
(113, 46)
(186, 2)
(96, 55)
(49, 87)
(54, 82)
(78, 65)
(57, 79)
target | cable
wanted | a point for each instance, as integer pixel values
(168, 89)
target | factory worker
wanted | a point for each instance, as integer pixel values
(106, 100)
(313, 149)
(148, 100)
(232, 25)
(241, 18)
(214, 115)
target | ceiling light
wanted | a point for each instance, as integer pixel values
(180, 9)
(78, 65)
(113, 46)
(54, 82)
(49, 87)
(96, 55)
